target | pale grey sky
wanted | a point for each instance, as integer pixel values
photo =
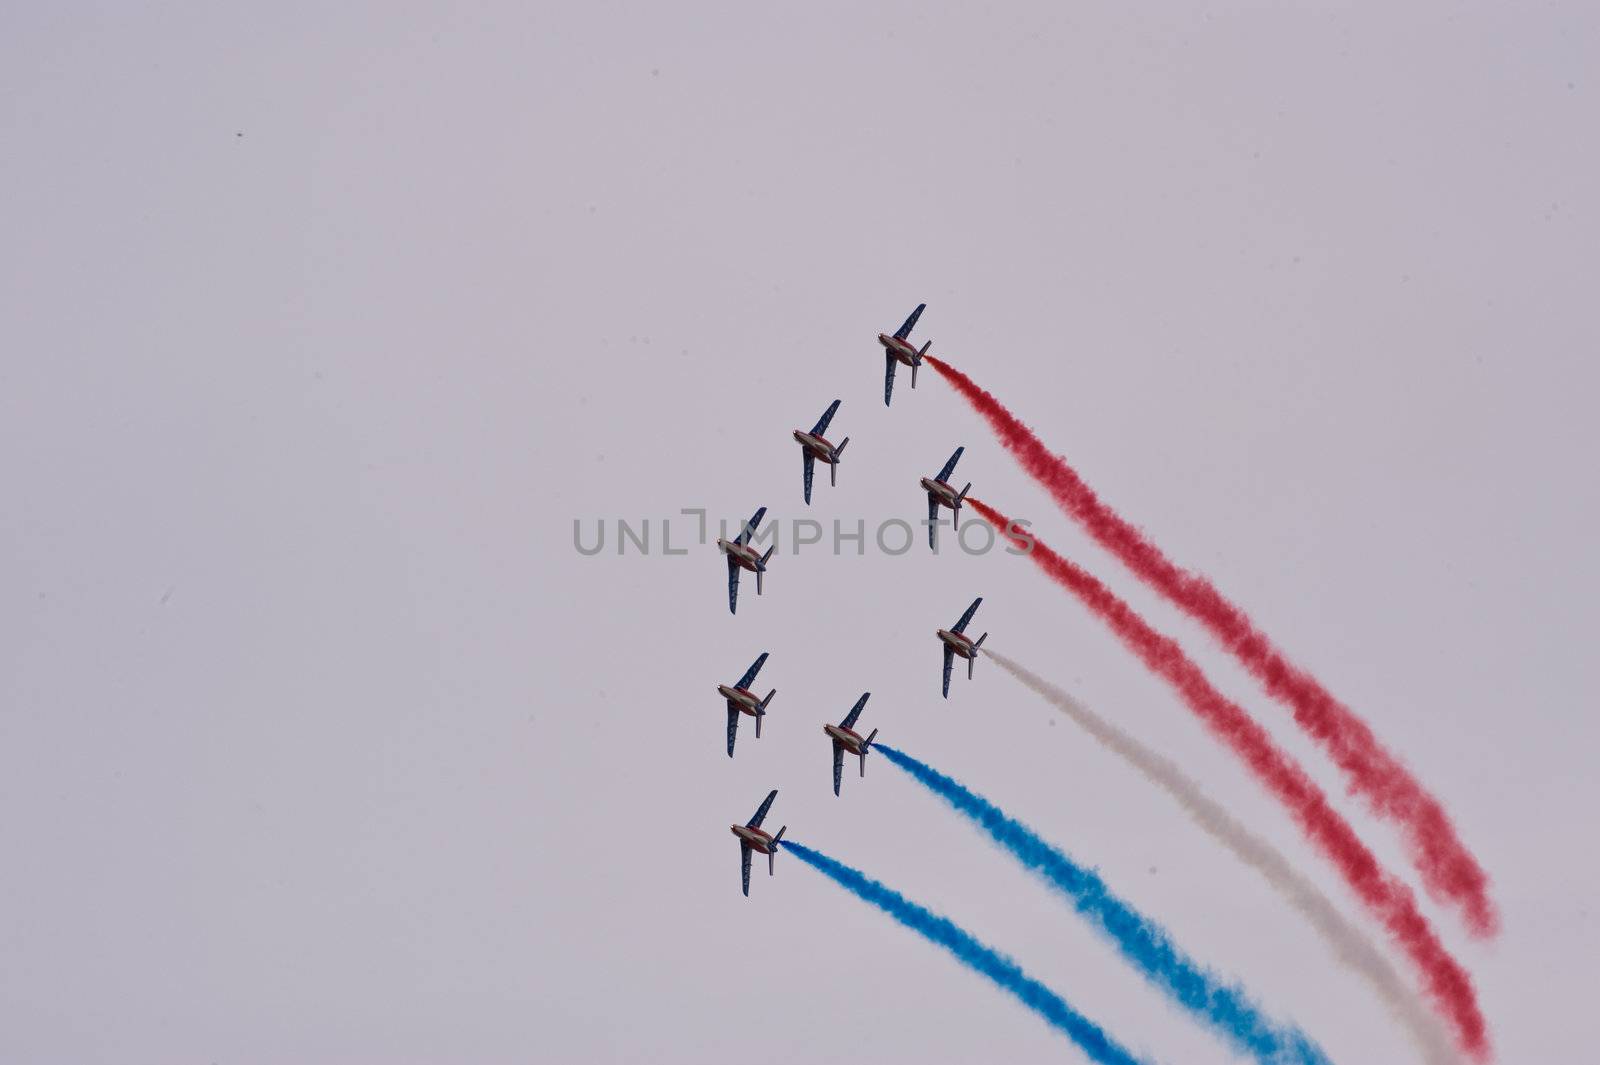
(320, 743)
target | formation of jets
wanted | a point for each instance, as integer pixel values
(742, 554)
(815, 447)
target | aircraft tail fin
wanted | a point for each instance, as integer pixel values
(914, 366)
(772, 855)
(761, 568)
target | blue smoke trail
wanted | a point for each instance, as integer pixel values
(996, 966)
(1142, 941)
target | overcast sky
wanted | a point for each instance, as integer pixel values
(320, 742)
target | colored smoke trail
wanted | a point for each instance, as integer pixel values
(1144, 943)
(1351, 947)
(1448, 868)
(1090, 1037)
(1386, 897)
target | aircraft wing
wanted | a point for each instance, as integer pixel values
(949, 663)
(855, 711)
(733, 586)
(810, 463)
(822, 422)
(950, 467)
(744, 866)
(838, 766)
(888, 376)
(755, 523)
(911, 322)
(750, 674)
(733, 725)
(766, 804)
(962, 624)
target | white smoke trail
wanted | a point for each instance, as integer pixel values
(1353, 949)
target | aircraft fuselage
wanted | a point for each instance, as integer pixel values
(942, 493)
(846, 738)
(754, 837)
(958, 643)
(817, 445)
(900, 348)
(746, 700)
(744, 555)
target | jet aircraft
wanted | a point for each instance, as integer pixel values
(751, 838)
(957, 644)
(742, 556)
(742, 700)
(845, 738)
(898, 348)
(941, 494)
(814, 446)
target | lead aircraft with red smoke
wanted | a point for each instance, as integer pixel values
(898, 348)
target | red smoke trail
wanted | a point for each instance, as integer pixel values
(1384, 895)
(1448, 869)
